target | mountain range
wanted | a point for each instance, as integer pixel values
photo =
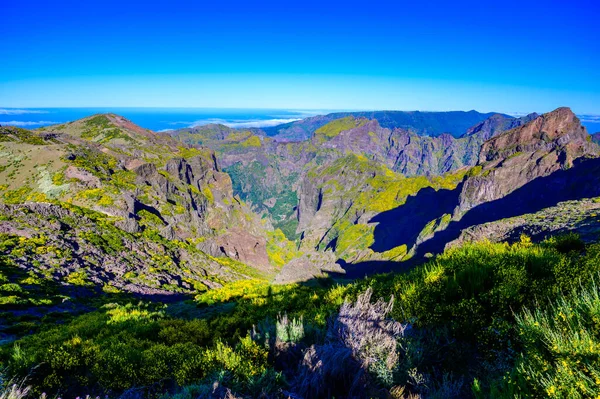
(244, 203)
(101, 206)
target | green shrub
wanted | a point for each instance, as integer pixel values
(460, 307)
(289, 330)
(561, 348)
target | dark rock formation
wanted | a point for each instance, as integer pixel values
(510, 160)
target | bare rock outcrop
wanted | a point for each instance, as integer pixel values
(549, 143)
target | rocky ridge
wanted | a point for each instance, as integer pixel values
(355, 193)
(269, 174)
(526, 169)
(146, 184)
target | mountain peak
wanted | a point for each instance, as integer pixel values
(117, 133)
(560, 125)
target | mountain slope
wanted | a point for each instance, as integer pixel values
(367, 215)
(432, 124)
(148, 188)
(268, 174)
(521, 171)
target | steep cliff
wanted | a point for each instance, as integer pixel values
(143, 184)
(514, 158)
(268, 174)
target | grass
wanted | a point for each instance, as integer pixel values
(466, 310)
(374, 189)
(337, 126)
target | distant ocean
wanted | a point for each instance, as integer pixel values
(158, 119)
(161, 119)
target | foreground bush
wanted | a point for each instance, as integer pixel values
(464, 338)
(561, 354)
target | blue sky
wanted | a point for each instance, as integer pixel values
(511, 56)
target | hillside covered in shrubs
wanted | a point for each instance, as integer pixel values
(481, 320)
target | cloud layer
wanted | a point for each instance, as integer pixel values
(589, 118)
(236, 124)
(27, 123)
(20, 111)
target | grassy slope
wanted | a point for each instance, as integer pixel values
(366, 188)
(35, 167)
(465, 308)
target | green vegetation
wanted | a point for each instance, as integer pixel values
(20, 289)
(374, 189)
(252, 141)
(99, 128)
(561, 347)
(483, 320)
(280, 249)
(480, 323)
(95, 162)
(265, 193)
(337, 126)
(10, 133)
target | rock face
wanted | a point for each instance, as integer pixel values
(358, 192)
(525, 172)
(411, 154)
(270, 174)
(354, 171)
(346, 204)
(148, 184)
(497, 124)
(553, 129)
(431, 124)
(578, 216)
(82, 247)
(245, 247)
(510, 160)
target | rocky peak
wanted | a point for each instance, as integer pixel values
(497, 124)
(548, 143)
(559, 127)
(124, 123)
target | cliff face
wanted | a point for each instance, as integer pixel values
(430, 124)
(367, 192)
(400, 149)
(145, 184)
(409, 153)
(366, 212)
(497, 124)
(510, 160)
(271, 175)
(355, 192)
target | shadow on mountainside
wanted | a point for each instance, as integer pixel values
(403, 224)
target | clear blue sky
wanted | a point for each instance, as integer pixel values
(510, 56)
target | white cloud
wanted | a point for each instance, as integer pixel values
(590, 118)
(20, 111)
(27, 123)
(179, 123)
(243, 124)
